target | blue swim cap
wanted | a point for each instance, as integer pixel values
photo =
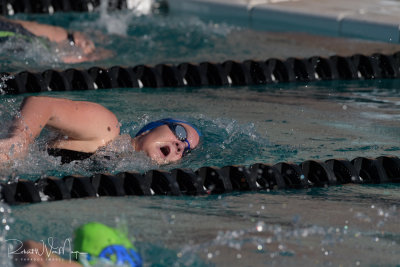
(155, 124)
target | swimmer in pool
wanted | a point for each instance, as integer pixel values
(84, 127)
(29, 29)
(93, 243)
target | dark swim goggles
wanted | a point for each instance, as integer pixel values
(181, 134)
(174, 125)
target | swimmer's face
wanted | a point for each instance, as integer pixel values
(161, 144)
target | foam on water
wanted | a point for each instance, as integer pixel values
(28, 50)
(3, 79)
(6, 223)
(118, 22)
(22, 54)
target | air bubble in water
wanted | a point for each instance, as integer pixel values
(260, 226)
(6, 219)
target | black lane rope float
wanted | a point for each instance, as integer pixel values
(11, 7)
(228, 73)
(207, 180)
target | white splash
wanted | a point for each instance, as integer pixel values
(142, 7)
(6, 220)
(118, 22)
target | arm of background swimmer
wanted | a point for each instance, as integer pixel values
(79, 120)
(53, 33)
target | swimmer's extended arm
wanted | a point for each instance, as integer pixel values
(53, 33)
(85, 125)
(56, 34)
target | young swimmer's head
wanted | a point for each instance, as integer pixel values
(167, 140)
(96, 243)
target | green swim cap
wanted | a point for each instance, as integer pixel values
(94, 241)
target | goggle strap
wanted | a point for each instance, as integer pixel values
(188, 148)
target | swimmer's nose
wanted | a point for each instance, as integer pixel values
(180, 147)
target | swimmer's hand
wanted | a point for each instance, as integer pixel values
(84, 43)
(77, 48)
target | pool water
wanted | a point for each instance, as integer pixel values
(152, 39)
(243, 125)
(345, 225)
(349, 225)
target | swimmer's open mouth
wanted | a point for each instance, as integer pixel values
(165, 150)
